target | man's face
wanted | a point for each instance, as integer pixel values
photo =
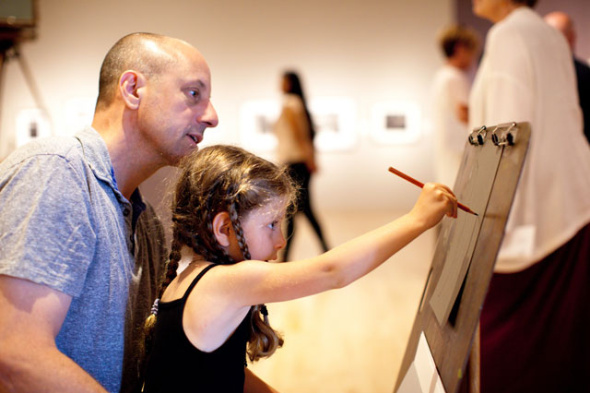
(176, 108)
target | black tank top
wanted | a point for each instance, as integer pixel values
(176, 366)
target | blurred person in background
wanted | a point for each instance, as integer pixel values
(564, 23)
(535, 318)
(450, 95)
(295, 134)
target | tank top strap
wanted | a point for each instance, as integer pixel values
(201, 274)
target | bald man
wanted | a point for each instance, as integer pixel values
(564, 23)
(80, 252)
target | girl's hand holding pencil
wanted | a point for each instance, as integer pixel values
(421, 185)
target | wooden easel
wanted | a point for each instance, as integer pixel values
(493, 157)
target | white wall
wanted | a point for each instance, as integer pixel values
(369, 51)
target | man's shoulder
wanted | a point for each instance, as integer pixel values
(522, 25)
(67, 148)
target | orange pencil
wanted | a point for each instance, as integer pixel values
(420, 184)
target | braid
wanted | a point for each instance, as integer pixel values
(233, 215)
(150, 323)
(264, 340)
(172, 266)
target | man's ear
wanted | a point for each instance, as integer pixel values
(222, 228)
(130, 84)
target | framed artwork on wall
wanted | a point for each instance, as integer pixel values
(395, 123)
(256, 125)
(30, 124)
(335, 120)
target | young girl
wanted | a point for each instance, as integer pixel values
(228, 209)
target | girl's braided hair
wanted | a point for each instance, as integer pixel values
(224, 178)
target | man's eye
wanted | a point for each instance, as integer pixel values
(194, 93)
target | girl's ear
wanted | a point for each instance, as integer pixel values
(222, 228)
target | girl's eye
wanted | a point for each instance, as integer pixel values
(273, 224)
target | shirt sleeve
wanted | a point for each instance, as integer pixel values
(46, 232)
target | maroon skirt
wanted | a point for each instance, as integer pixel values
(535, 325)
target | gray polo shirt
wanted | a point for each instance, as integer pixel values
(64, 224)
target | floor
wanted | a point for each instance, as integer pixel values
(350, 340)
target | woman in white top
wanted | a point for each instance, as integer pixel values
(534, 320)
(295, 133)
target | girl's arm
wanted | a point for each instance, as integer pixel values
(253, 384)
(255, 282)
(219, 303)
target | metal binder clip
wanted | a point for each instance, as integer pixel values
(478, 136)
(506, 138)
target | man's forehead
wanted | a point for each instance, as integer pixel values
(192, 70)
(195, 71)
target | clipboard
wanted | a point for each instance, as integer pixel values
(446, 325)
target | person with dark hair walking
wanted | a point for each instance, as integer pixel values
(295, 132)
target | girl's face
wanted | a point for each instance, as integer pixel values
(263, 229)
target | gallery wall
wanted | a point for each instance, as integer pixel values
(357, 58)
(361, 59)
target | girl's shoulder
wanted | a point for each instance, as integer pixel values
(186, 280)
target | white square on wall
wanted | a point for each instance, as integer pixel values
(335, 120)
(395, 123)
(30, 124)
(256, 125)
